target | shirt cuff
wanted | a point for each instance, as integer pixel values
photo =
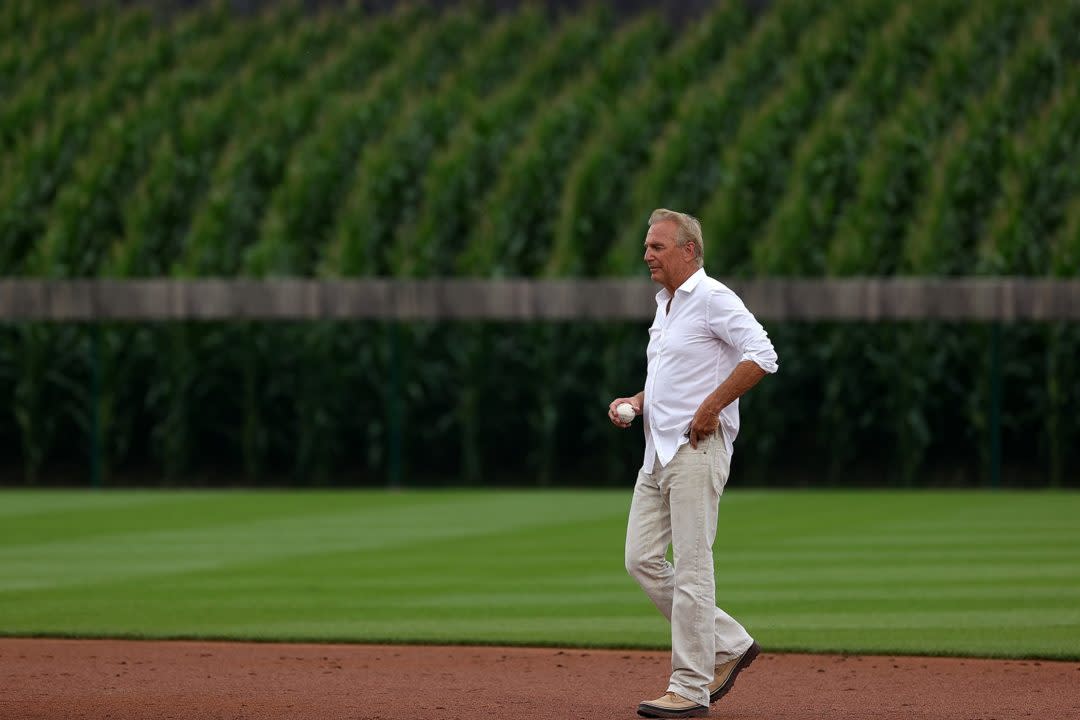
(769, 365)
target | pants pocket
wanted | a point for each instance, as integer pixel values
(719, 462)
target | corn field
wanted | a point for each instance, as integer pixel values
(873, 137)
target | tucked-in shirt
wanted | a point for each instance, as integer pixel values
(692, 349)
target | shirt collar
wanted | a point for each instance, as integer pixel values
(687, 287)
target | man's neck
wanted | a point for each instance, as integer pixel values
(677, 283)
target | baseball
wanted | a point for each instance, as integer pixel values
(625, 411)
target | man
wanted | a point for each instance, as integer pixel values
(705, 350)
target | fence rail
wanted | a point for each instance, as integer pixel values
(1001, 299)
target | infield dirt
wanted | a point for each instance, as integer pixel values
(122, 680)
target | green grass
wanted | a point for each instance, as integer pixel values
(966, 573)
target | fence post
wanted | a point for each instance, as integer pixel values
(995, 405)
(96, 459)
(395, 430)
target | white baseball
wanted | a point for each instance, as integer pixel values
(625, 411)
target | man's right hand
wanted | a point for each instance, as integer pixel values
(635, 402)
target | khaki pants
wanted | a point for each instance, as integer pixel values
(677, 504)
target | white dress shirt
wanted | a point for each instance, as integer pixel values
(692, 350)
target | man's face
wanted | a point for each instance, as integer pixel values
(668, 263)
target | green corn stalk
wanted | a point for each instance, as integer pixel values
(822, 178)
(416, 69)
(301, 208)
(398, 145)
(252, 163)
(1037, 180)
(922, 415)
(755, 162)
(385, 197)
(515, 234)
(824, 171)
(9, 430)
(28, 48)
(68, 70)
(964, 185)
(50, 399)
(247, 170)
(158, 215)
(683, 160)
(460, 176)
(1037, 183)
(1063, 346)
(180, 397)
(868, 239)
(596, 195)
(423, 132)
(88, 210)
(451, 188)
(17, 17)
(964, 182)
(516, 227)
(361, 235)
(40, 162)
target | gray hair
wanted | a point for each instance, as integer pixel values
(689, 230)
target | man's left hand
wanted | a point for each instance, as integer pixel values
(706, 422)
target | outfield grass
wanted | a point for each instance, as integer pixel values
(971, 573)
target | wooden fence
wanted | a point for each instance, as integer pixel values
(857, 299)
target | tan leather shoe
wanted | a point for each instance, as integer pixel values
(724, 675)
(671, 705)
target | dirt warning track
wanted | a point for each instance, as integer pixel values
(122, 680)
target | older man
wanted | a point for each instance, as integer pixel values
(705, 350)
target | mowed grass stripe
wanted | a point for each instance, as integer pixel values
(265, 528)
(968, 573)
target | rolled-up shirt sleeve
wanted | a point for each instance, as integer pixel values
(730, 321)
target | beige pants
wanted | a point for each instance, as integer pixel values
(677, 505)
